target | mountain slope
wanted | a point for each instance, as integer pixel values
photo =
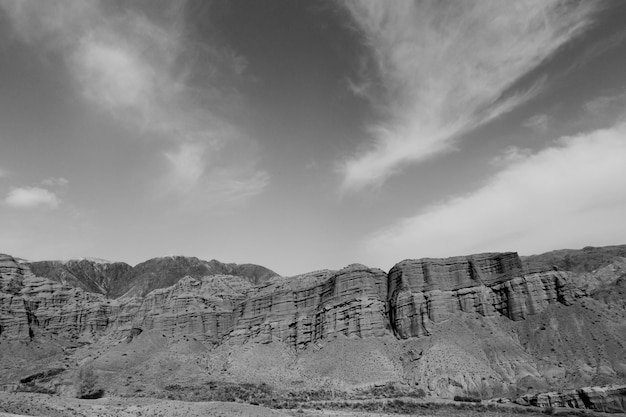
(115, 279)
(577, 260)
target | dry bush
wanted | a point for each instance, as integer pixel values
(87, 384)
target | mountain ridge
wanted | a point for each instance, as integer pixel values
(115, 279)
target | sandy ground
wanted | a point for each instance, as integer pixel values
(25, 404)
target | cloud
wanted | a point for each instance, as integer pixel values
(55, 182)
(197, 180)
(31, 197)
(606, 104)
(446, 68)
(568, 195)
(186, 166)
(538, 122)
(143, 65)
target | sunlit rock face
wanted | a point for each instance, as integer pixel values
(30, 305)
(303, 309)
(355, 301)
(427, 291)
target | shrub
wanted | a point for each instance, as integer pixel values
(87, 384)
(466, 399)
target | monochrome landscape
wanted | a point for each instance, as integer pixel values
(325, 207)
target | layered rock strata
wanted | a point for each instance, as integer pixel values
(297, 311)
(30, 305)
(355, 301)
(350, 302)
(610, 399)
(426, 291)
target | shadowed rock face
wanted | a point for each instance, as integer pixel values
(92, 276)
(166, 271)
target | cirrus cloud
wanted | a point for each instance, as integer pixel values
(448, 67)
(568, 195)
(141, 64)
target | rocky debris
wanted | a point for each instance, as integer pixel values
(611, 399)
(427, 291)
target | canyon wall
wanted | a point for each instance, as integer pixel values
(356, 301)
(426, 291)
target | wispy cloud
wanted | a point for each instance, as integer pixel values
(141, 65)
(196, 179)
(448, 67)
(55, 182)
(538, 122)
(568, 195)
(606, 104)
(31, 197)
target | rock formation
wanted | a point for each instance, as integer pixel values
(426, 291)
(114, 279)
(446, 325)
(610, 399)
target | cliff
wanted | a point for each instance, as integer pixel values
(426, 291)
(448, 326)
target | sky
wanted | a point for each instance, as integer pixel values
(305, 135)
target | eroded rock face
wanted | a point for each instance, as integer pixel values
(426, 291)
(30, 305)
(355, 301)
(351, 302)
(488, 319)
(610, 399)
(297, 311)
(203, 308)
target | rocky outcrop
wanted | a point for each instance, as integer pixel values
(611, 399)
(426, 291)
(202, 308)
(301, 310)
(355, 301)
(297, 311)
(490, 320)
(31, 305)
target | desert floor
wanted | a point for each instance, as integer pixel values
(27, 404)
